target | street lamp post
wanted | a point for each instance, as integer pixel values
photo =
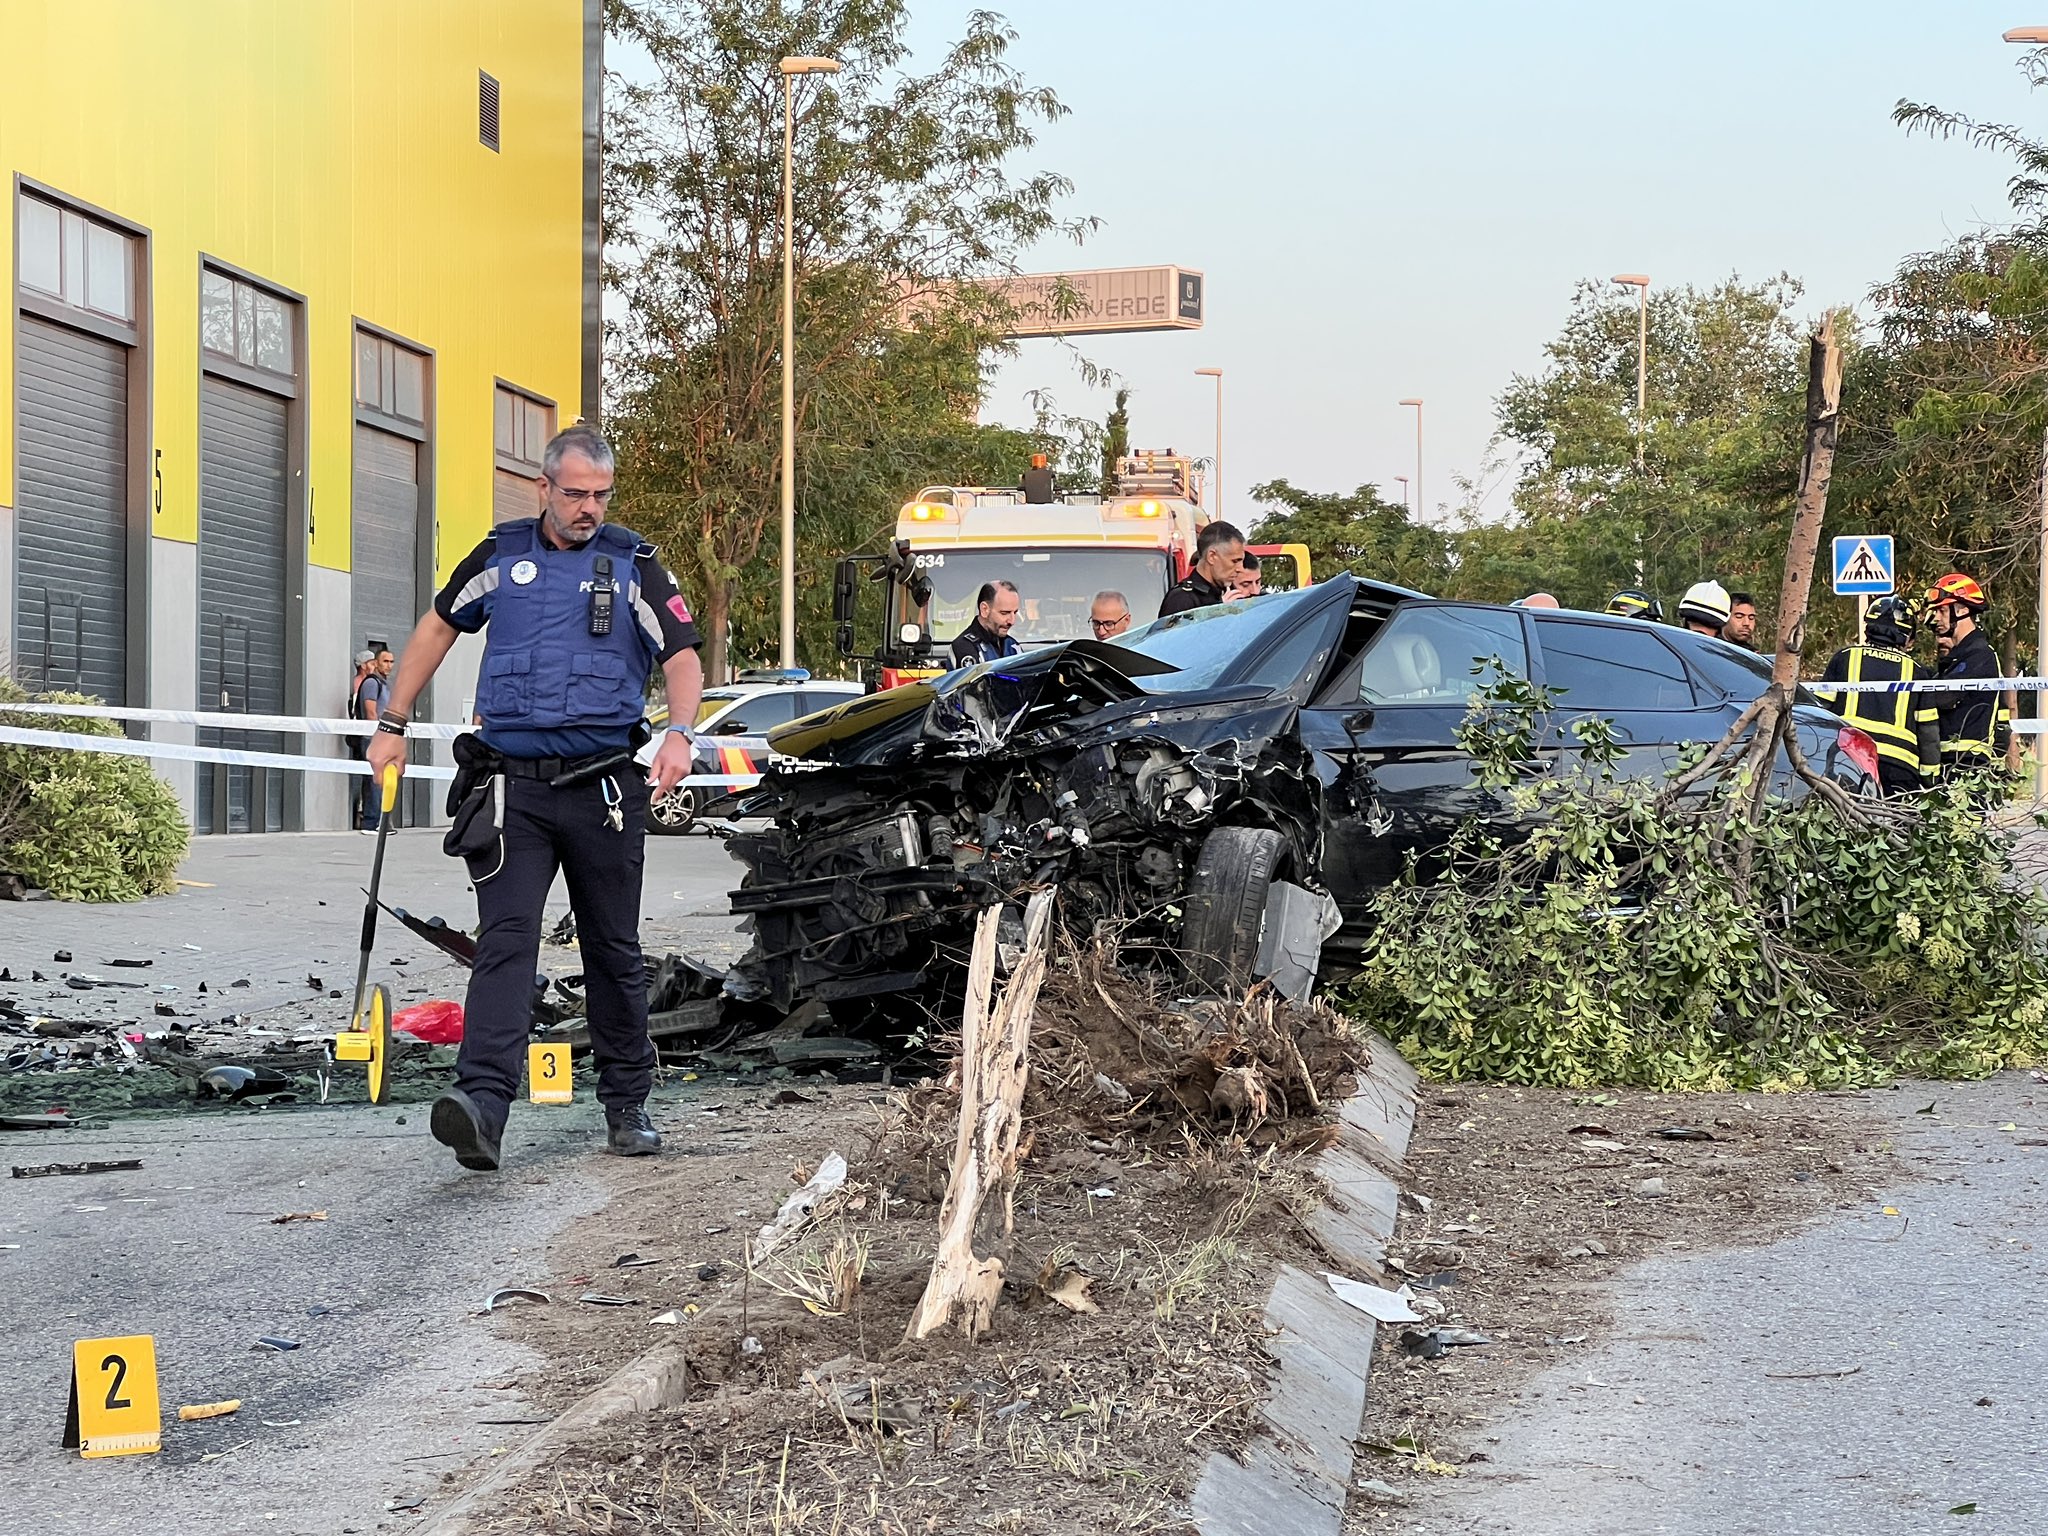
(1641, 284)
(1403, 480)
(2035, 37)
(799, 64)
(1216, 500)
(1421, 512)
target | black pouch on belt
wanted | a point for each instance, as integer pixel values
(476, 807)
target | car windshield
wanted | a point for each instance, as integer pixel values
(1055, 587)
(716, 699)
(1203, 642)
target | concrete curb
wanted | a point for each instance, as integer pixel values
(655, 1379)
(1295, 1476)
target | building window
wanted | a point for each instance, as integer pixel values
(76, 260)
(487, 110)
(390, 379)
(522, 425)
(241, 321)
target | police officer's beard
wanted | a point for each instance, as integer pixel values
(567, 534)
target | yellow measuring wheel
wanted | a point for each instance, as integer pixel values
(368, 1036)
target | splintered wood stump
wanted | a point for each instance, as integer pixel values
(995, 1044)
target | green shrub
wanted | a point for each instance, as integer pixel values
(85, 826)
(1621, 946)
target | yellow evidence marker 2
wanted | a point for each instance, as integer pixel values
(114, 1409)
(547, 1073)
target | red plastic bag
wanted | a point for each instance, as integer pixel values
(437, 1023)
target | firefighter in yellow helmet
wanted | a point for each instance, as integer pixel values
(1976, 728)
(1905, 724)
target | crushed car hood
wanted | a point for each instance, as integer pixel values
(979, 709)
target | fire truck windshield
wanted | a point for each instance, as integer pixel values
(1055, 587)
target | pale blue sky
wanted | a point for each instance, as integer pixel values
(1396, 200)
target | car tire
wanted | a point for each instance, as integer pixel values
(1223, 911)
(672, 814)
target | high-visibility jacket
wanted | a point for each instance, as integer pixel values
(1976, 727)
(1905, 725)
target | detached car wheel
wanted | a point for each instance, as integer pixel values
(672, 814)
(1223, 912)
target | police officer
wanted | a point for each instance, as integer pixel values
(1219, 552)
(1904, 725)
(987, 636)
(579, 611)
(1976, 728)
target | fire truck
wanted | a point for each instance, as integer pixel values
(1058, 547)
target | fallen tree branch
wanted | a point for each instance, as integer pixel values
(994, 1064)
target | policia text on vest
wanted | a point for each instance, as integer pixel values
(1904, 725)
(576, 611)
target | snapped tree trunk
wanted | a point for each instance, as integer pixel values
(994, 1065)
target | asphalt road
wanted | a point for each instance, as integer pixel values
(1706, 1410)
(390, 1387)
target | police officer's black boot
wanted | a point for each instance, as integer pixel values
(459, 1124)
(630, 1133)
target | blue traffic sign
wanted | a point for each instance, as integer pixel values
(1863, 565)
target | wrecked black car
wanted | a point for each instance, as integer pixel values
(1192, 779)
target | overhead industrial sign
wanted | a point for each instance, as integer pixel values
(1103, 301)
(1864, 566)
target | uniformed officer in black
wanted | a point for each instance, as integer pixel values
(1219, 552)
(1905, 725)
(579, 611)
(987, 636)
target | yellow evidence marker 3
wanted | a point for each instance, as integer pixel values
(114, 1409)
(547, 1074)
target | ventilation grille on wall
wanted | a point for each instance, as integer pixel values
(487, 110)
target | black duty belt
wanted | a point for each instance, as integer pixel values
(565, 772)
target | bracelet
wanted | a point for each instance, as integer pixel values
(392, 714)
(390, 726)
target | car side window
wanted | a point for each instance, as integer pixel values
(761, 713)
(1611, 666)
(1432, 654)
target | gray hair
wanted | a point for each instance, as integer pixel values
(1111, 595)
(579, 439)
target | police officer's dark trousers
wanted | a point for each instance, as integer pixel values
(546, 829)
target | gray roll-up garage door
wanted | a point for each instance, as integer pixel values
(243, 505)
(71, 555)
(513, 496)
(384, 543)
(384, 551)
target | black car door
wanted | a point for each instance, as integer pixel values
(1384, 732)
(1623, 671)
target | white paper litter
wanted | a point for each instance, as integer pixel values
(796, 1210)
(1381, 1306)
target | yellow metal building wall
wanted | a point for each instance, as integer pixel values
(330, 147)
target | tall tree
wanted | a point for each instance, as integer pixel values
(1361, 533)
(1713, 495)
(906, 191)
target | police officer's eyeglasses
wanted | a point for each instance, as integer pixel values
(576, 498)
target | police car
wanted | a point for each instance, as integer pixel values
(731, 723)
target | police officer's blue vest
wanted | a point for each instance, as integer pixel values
(543, 670)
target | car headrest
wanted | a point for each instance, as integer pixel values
(1416, 665)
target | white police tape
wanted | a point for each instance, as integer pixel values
(178, 752)
(1939, 685)
(295, 725)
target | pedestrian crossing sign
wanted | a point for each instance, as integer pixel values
(1864, 565)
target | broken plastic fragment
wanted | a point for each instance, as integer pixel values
(797, 1209)
(511, 1295)
(599, 1299)
(272, 1344)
